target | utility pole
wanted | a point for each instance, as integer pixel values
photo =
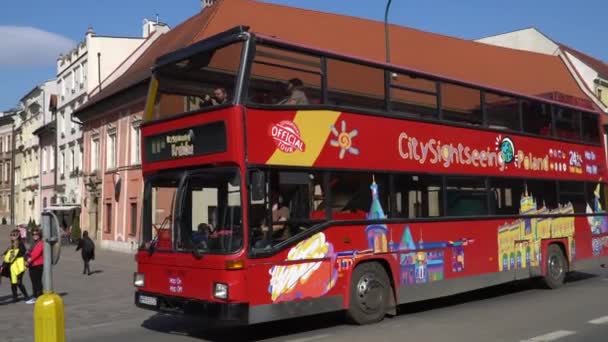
(386, 38)
(49, 318)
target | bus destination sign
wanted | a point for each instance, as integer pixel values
(187, 142)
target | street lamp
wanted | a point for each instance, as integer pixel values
(388, 51)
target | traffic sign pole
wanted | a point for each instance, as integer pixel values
(49, 321)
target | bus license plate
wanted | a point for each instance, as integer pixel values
(147, 300)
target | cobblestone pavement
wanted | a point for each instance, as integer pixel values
(100, 299)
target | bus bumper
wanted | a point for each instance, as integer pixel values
(213, 313)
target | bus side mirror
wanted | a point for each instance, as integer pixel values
(257, 185)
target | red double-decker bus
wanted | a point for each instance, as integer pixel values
(283, 181)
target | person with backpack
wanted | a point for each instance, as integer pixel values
(13, 264)
(87, 246)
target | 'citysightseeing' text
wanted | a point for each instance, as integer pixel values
(433, 151)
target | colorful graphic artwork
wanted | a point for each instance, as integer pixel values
(423, 262)
(519, 241)
(307, 279)
(376, 233)
(344, 140)
(598, 224)
(507, 149)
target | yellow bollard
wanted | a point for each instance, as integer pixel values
(49, 319)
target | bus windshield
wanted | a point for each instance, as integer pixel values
(207, 207)
(159, 203)
(201, 81)
(210, 212)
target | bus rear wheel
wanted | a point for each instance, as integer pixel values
(369, 294)
(556, 267)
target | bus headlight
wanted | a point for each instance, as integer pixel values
(220, 291)
(138, 279)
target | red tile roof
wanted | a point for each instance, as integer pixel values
(519, 71)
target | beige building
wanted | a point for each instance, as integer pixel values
(34, 106)
(6, 170)
(81, 72)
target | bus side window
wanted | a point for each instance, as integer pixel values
(351, 194)
(505, 196)
(573, 193)
(417, 196)
(466, 196)
(280, 77)
(543, 192)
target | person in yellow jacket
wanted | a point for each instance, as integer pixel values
(13, 265)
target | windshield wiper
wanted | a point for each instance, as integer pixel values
(154, 241)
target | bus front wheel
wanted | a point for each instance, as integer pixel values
(555, 267)
(369, 293)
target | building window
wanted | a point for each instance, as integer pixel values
(72, 160)
(77, 77)
(135, 143)
(84, 72)
(95, 154)
(133, 219)
(62, 163)
(7, 171)
(108, 217)
(51, 158)
(44, 159)
(62, 123)
(111, 150)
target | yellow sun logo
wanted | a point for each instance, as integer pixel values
(344, 140)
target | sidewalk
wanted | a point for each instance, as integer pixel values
(103, 297)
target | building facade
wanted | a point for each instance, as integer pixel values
(35, 108)
(114, 178)
(6, 162)
(46, 134)
(79, 72)
(112, 181)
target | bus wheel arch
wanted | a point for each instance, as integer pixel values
(555, 265)
(371, 294)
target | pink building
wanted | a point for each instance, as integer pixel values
(113, 185)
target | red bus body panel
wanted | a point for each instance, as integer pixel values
(418, 255)
(333, 139)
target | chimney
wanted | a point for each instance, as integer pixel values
(152, 26)
(206, 3)
(90, 31)
(148, 27)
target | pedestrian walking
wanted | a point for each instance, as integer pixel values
(87, 246)
(35, 264)
(13, 265)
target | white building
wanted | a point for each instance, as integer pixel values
(35, 107)
(81, 72)
(590, 73)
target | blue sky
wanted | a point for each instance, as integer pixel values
(33, 32)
